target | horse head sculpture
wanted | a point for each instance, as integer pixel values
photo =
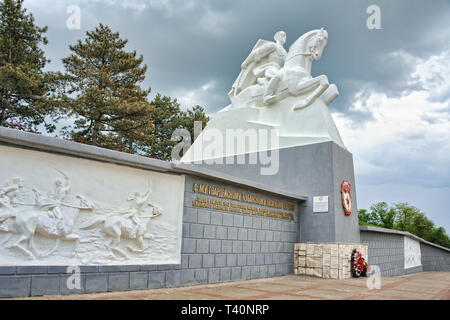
(307, 48)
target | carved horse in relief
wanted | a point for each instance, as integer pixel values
(122, 225)
(35, 221)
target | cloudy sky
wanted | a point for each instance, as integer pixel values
(393, 112)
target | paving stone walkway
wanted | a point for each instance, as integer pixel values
(422, 286)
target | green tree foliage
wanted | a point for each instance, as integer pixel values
(380, 215)
(167, 117)
(384, 215)
(197, 113)
(404, 217)
(103, 92)
(364, 217)
(439, 237)
(25, 89)
(411, 219)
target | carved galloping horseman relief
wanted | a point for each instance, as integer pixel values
(27, 216)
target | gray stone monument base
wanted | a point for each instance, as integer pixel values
(310, 170)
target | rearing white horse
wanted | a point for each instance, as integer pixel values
(292, 79)
(296, 72)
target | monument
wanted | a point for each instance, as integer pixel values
(276, 93)
(131, 222)
(117, 221)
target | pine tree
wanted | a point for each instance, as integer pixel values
(167, 117)
(103, 92)
(197, 113)
(24, 86)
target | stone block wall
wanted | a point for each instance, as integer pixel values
(52, 280)
(227, 246)
(435, 258)
(216, 247)
(386, 251)
(326, 260)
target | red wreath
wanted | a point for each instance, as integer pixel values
(359, 265)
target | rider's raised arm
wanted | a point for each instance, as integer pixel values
(143, 199)
(66, 189)
(37, 197)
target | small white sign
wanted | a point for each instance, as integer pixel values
(320, 204)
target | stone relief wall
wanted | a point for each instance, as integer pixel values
(58, 210)
(412, 253)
